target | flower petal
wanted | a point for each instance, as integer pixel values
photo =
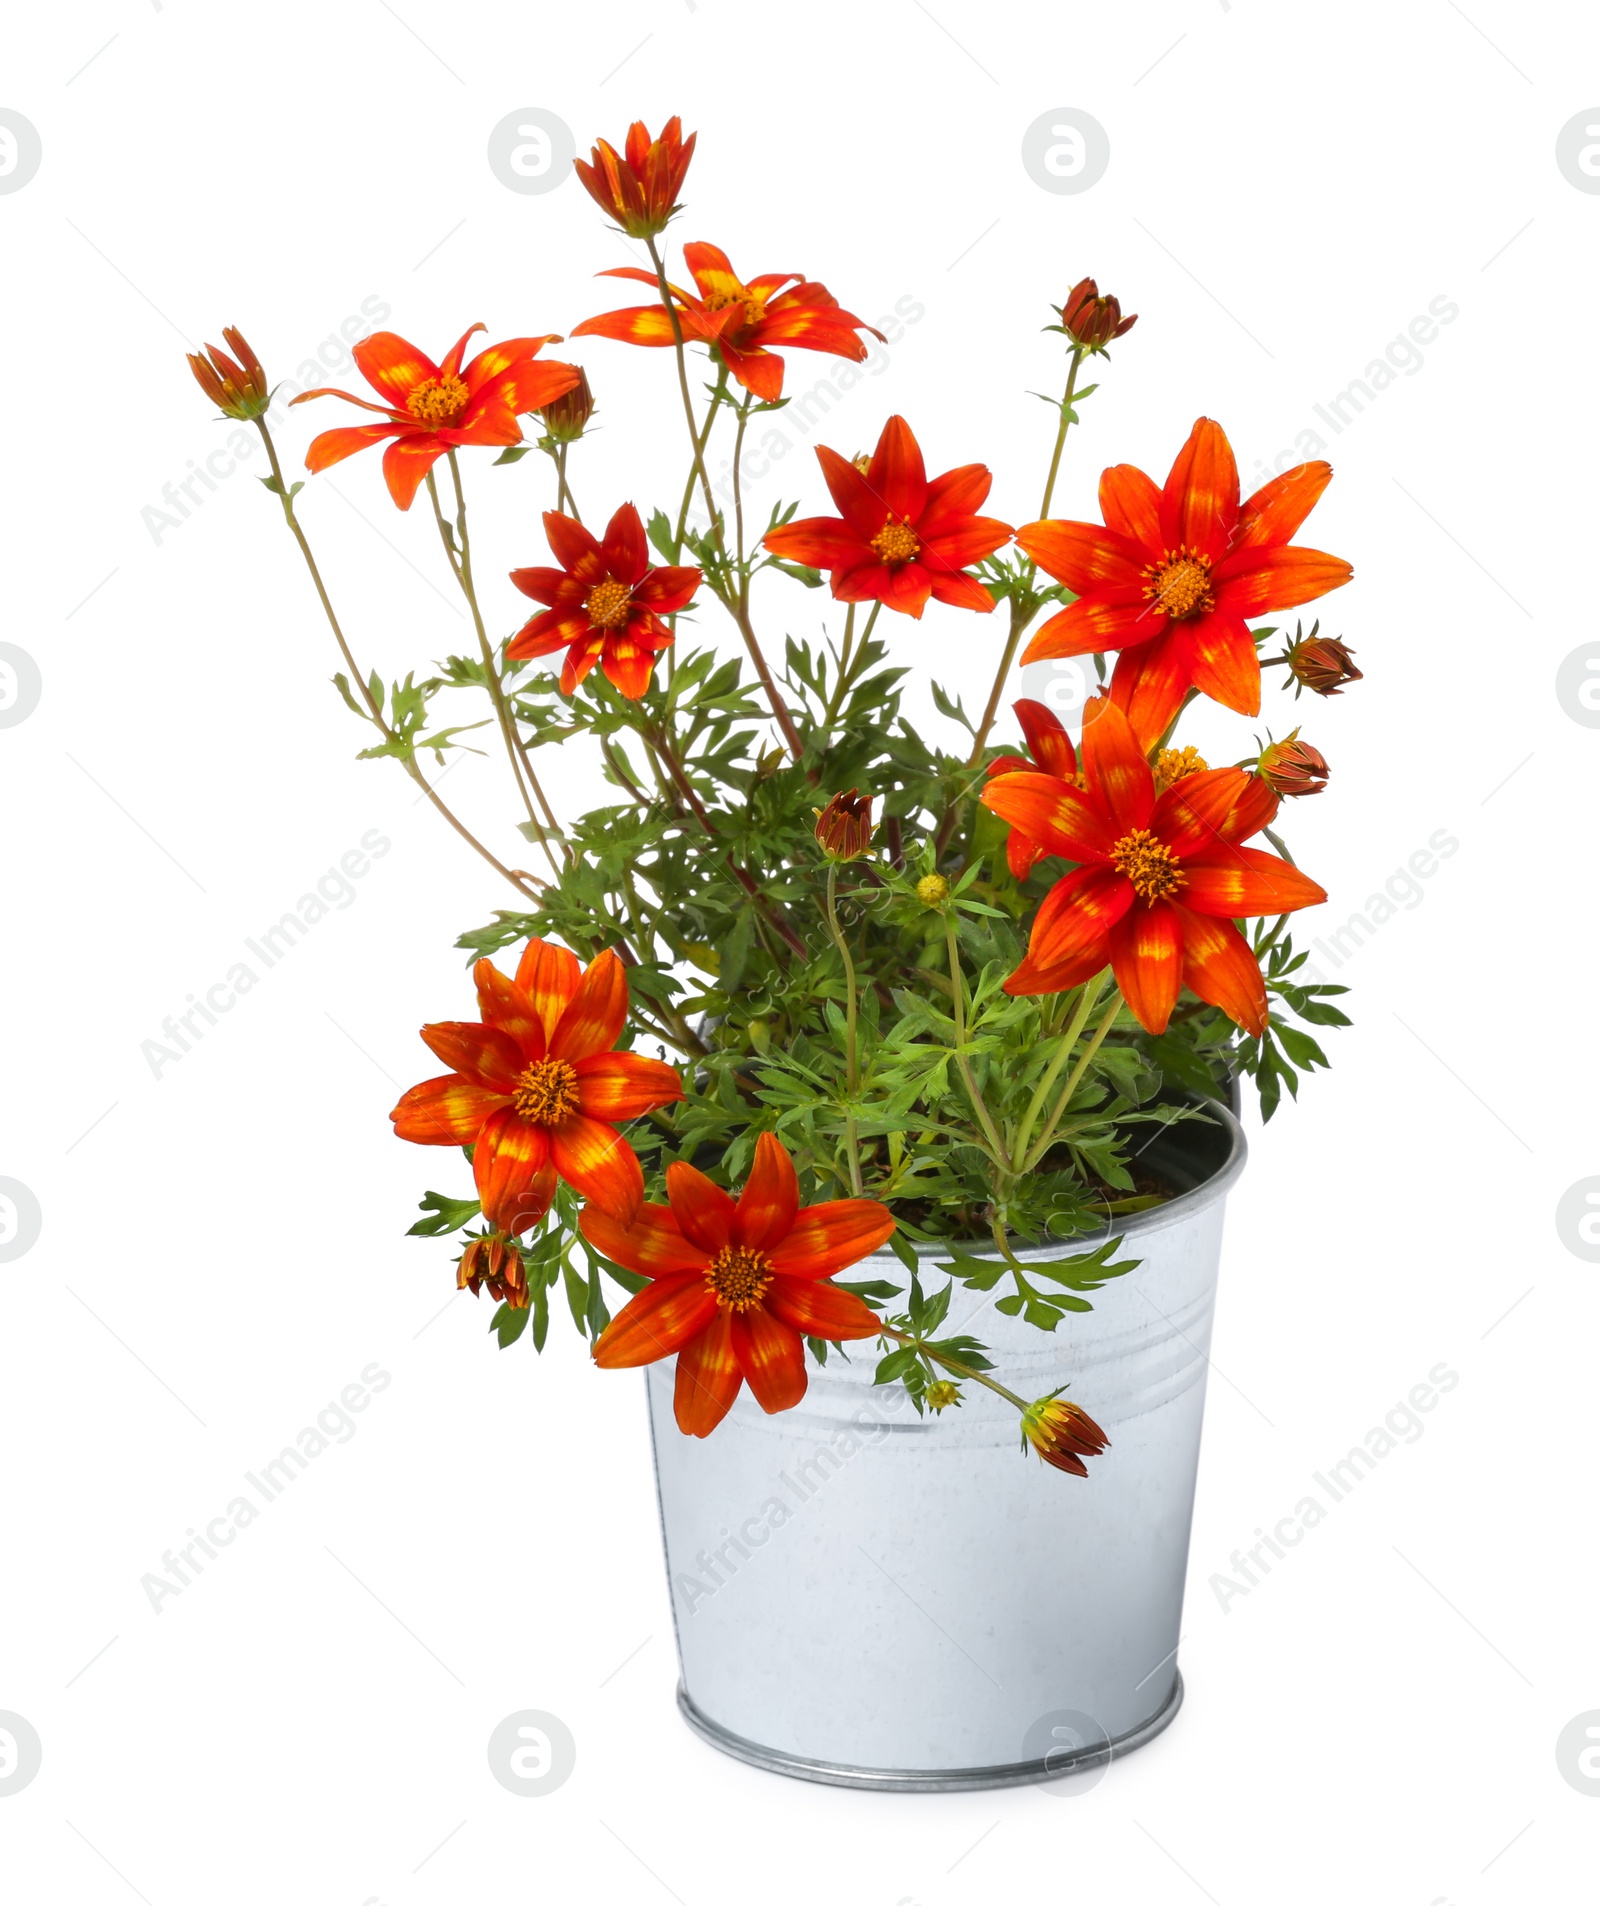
(617, 1086)
(392, 367)
(652, 1246)
(570, 543)
(1204, 810)
(1031, 979)
(1149, 683)
(654, 1322)
(508, 1156)
(447, 1111)
(817, 1308)
(549, 975)
(1252, 580)
(1131, 505)
(1280, 506)
(1223, 662)
(957, 494)
(967, 540)
(626, 552)
(1094, 624)
(484, 1054)
(1234, 883)
(1048, 742)
(896, 473)
(1051, 810)
(646, 324)
(772, 1358)
(859, 503)
(333, 446)
(1200, 503)
(825, 542)
(1147, 962)
(406, 462)
(957, 590)
(502, 1003)
(708, 1377)
(1085, 556)
(596, 1013)
(770, 1198)
(1076, 915)
(704, 1211)
(1219, 966)
(598, 1163)
(829, 1237)
(1114, 764)
(665, 590)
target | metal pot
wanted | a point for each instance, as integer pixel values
(870, 1598)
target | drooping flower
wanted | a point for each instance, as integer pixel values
(431, 408)
(639, 186)
(1063, 1434)
(844, 826)
(238, 389)
(1160, 879)
(741, 322)
(1050, 747)
(1292, 766)
(494, 1259)
(1093, 321)
(1173, 575)
(605, 603)
(735, 1287)
(1321, 663)
(898, 538)
(537, 1090)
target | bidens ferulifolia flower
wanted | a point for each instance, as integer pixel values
(1160, 879)
(238, 390)
(605, 603)
(844, 826)
(639, 186)
(494, 1260)
(1063, 1434)
(898, 538)
(431, 408)
(735, 1287)
(537, 1090)
(1093, 321)
(1292, 766)
(1172, 577)
(1321, 663)
(1051, 748)
(742, 322)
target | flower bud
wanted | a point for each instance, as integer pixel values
(494, 1259)
(1321, 663)
(238, 389)
(844, 826)
(568, 417)
(1063, 1434)
(1292, 766)
(941, 1394)
(1092, 321)
(933, 890)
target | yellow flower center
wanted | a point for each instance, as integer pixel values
(896, 542)
(738, 1278)
(438, 400)
(607, 604)
(1180, 585)
(754, 302)
(546, 1093)
(1152, 871)
(1177, 764)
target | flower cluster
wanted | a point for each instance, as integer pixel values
(961, 980)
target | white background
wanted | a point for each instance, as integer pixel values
(222, 1249)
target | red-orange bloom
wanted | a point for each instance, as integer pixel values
(430, 408)
(536, 1089)
(605, 603)
(639, 186)
(1173, 576)
(740, 321)
(1051, 749)
(1160, 879)
(898, 538)
(734, 1287)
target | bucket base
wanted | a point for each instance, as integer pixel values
(933, 1780)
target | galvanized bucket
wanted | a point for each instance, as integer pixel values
(870, 1598)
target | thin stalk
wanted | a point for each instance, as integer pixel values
(851, 1053)
(375, 713)
(564, 497)
(1063, 1052)
(958, 1004)
(954, 1365)
(1047, 1136)
(1061, 434)
(847, 655)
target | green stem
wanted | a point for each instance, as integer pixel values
(958, 1003)
(1063, 1052)
(954, 1365)
(564, 498)
(1061, 434)
(852, 1057)
(1047, 1136)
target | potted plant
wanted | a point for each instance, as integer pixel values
(867, 1089)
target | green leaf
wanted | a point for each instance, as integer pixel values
(514, 453)
(445, 1215)
(508, 1325)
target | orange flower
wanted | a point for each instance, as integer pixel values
(1173, 575)
(1051, 748)
(237, 389)
(739, 321)
(844, 826)
(536, 1089)
(898, 538)
(1063, 1434)
(606, 603)
(639, 186)
(1160, 879)
(734, 1287)
(430, 408)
